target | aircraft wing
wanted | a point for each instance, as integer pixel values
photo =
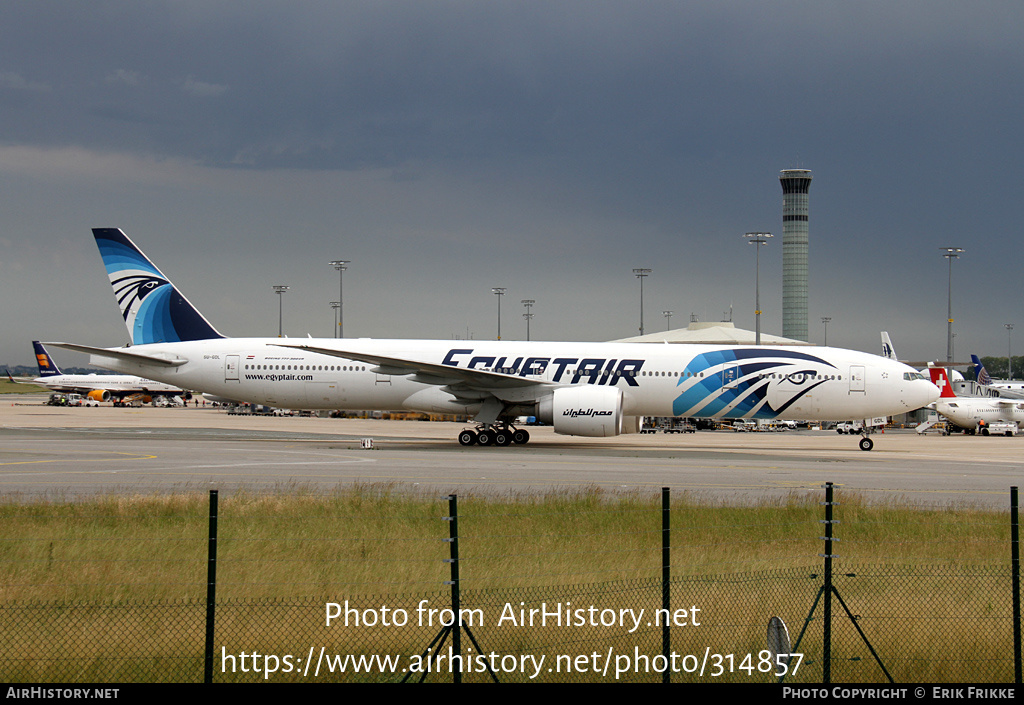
(431, 373)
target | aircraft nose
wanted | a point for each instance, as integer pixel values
(922, 394)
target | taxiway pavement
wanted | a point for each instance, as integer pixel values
(46, 451)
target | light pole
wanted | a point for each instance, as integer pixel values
(527, 303)
(335, 305)
(825, 320)
(498, 291)
(950, 253)
(341, 265)
(1009, 360)
(280, 289)
(640, 273)
(668, 320)
(757, 239)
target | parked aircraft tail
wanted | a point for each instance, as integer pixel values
(47, 367)
(980, 373)
(887, 350)
(153, 308)
(941, 380)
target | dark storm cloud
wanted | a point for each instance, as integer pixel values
(623, 133)
(364, 85)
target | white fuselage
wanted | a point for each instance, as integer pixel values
(655, 380)
(117, 385)
(967, 412)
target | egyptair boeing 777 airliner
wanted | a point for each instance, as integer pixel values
(583, 389)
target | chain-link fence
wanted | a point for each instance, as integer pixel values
(906, 623)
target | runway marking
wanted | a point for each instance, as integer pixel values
(136, 456)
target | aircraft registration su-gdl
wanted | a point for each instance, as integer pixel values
(579, 388)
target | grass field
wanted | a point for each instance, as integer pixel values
(8, 387)
(377, 539)
(122, 566)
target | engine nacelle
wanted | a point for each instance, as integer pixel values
(583, 411)
(99, 395)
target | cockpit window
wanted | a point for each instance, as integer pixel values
(911, 376)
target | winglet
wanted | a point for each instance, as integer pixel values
(153, 309)
(47, 367)
(940, 380)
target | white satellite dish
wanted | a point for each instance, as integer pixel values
(778, 641)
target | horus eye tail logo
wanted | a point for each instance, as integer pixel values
(132, 289)
(154, 310)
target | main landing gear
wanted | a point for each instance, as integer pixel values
(494, 435)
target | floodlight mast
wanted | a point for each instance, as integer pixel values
(640, 273)
(757, 239)
(1009, 358)
(528, 303)
(341, 265)
(280, 289)
(498, 291)
(950, 253)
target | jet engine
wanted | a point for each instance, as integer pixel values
(99, 395)
(586, 411)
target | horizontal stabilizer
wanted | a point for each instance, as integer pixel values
(122, 354)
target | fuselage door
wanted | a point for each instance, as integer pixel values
(231, 368)
(857, 378)
(730, 375)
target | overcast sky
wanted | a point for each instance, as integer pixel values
(547, 147)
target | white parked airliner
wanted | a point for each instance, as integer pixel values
(584, 389)
(974, 413)
(120, 389)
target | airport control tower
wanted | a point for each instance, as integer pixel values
(796, 183)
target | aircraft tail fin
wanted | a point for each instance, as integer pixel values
(980, 373)
(887, 350)
(941, 380)
(153, 309)
(47, 367)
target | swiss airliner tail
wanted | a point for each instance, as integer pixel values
(940, 380)
(153, 308)
(47, 367)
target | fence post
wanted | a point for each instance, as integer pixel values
(1015, 564)
(211, 588)
(453, 535)
(826, 650)
(666, 576)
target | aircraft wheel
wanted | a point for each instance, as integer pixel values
(502, 438)
(866, 443)
(485, 437)
(467, 437)
(519, 437)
